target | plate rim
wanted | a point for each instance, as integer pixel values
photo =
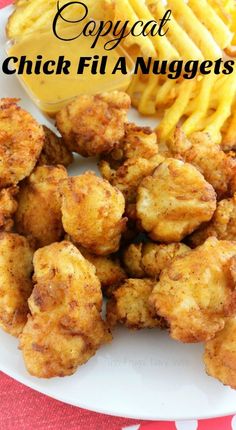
(146, 417)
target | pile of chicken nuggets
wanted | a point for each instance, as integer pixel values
(155, 235)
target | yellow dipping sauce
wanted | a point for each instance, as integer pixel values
(52, 91)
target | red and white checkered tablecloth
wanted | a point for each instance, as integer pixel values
(24, 409)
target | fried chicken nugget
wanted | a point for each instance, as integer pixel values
(16, 267)
(54, 151)
(92, 213)
(222, 225)
(149, 259)
(138, 142)
(39, 205)
(65, 327)
(108, 270)
(174, 201)
(217, 167)
(220, 355)
(8, 206)
(129, 176)
(129, 305)
(197, 291)
(21, 141)
(133, 260)
(93, 125)
(136, 157)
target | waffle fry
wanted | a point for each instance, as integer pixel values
(199, 105)
(226, 9)
(122, 11)
(229, 132)
(199, 30)
(209, 18)
(196, 30)
(162, 45)
(173, 115)
(215, 122)
(36, 15)
(202, 104)
(26, 17)
(176, 34)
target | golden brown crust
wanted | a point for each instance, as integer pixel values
(136, 157)
(222, 225)
(65, 327)
(196, 292)
(174, 201)
(21, 141)
(8, 206)
(133, 260)
(129, 305)
(217, 167)
(16, 267)
(54, 151)
(128, 177)
(220, 355)
(138, 142)
(108, 270)
(229, 138)
(149, 259)
(39, 205)
(92, 213)
(92, 125)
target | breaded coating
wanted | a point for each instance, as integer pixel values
(149, 259)
(217, 167)
(174, 201)
(129, 305)
(220, 355)
(8, 206)
(16, 267)
(65, 327)
(232, 186)
(108, 270)
(133, 260)
(39, 205)
(131, 233)
(92, 213)
(222, 225)
(21, 141)
(129, 176)
(196, 292)
(93, 125)
(138, 142)
(54, 151)
(136, 157)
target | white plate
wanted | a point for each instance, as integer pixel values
(141, 375)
